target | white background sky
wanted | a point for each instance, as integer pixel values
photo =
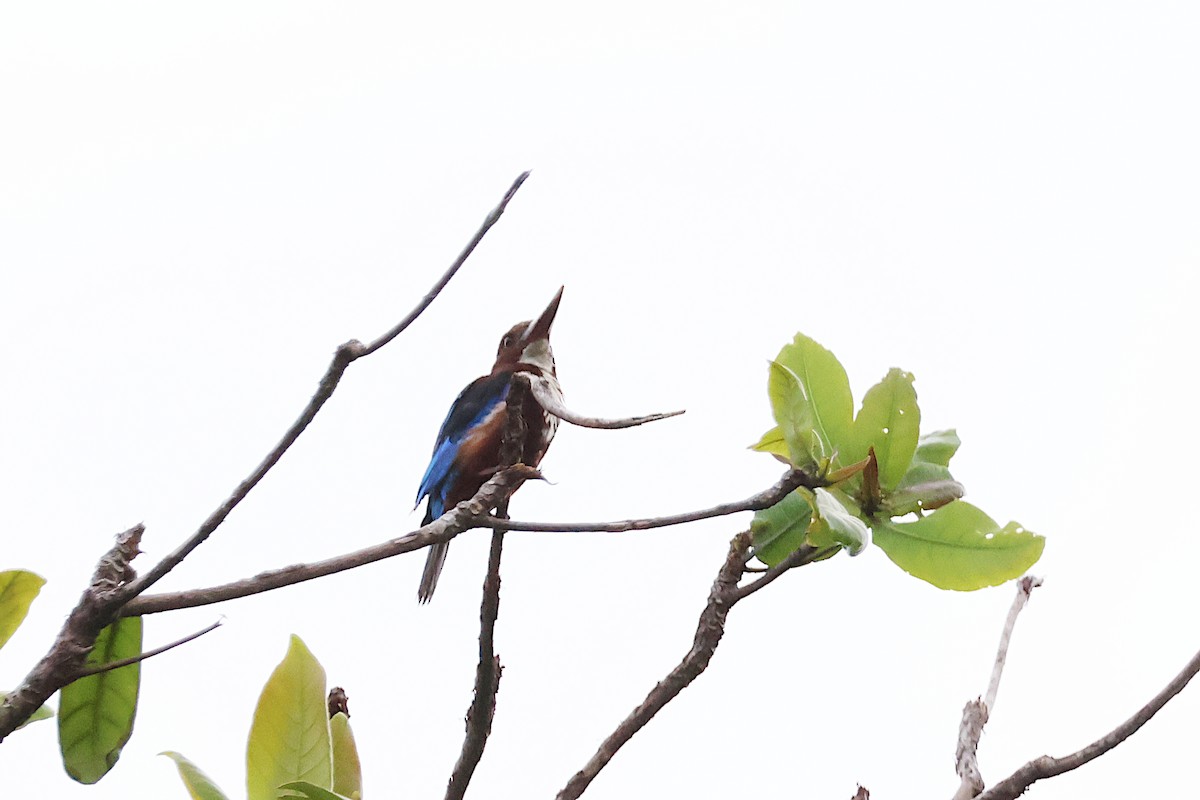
(198, 203)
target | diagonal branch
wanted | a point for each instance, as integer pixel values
(551, 402)
(976, 712)
(342, 358)
(466, 515)
(1015, 785)
(723, 597)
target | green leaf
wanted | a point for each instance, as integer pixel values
(959, 547)
(780, 529)
(923, 496)
(836, 524)
(811, 400)
(889, 421)
(938, 447)
(773, 442)
(199, 785)
(289, 738)
(347, 769)
(306, 789)
(17, 590)
(45, 712)
(95, 714)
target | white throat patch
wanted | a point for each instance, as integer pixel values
(538, 354)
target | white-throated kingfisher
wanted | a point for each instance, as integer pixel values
(467, 450)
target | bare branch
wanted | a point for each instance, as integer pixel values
(1047, 766)
(342, 358)
(548, 400)
(976, 712)
(466, 515)
(487, 679)
(723, 596)
(492, 218)
(125, 662)
(791, 480)
(66, 658)
(1025, 588)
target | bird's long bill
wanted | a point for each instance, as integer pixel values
(540, 327)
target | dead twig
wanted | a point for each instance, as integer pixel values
(125, 662)
(977, 711)
(552, 403)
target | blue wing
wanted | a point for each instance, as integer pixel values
(472, 406)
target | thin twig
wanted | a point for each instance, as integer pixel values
(492, 218)
(791, 480)
(977, 711)
(342, 358)
(552, 402)
(465, 516)
(125, 662)
(723, 596)
(1047, 766)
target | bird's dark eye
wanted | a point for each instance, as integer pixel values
(507, 341)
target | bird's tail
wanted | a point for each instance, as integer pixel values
(433, 568)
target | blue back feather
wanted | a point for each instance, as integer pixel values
(470, 408)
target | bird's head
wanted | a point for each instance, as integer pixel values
(529, 342)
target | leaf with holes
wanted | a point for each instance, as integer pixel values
(18, 587)
(959, 547)
(199, 785)
(890, 422)
(289, 738)
(95, 714)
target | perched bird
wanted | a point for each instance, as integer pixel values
(467, 450)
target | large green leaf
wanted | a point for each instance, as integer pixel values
(959, 547)
(18, 587)
(199, 785)
(95, 715)
(835, 524)
(780, 529)
(890, 422)
(811, 400)
(289, 738)
(347, 769)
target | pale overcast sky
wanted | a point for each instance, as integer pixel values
(198, 202)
